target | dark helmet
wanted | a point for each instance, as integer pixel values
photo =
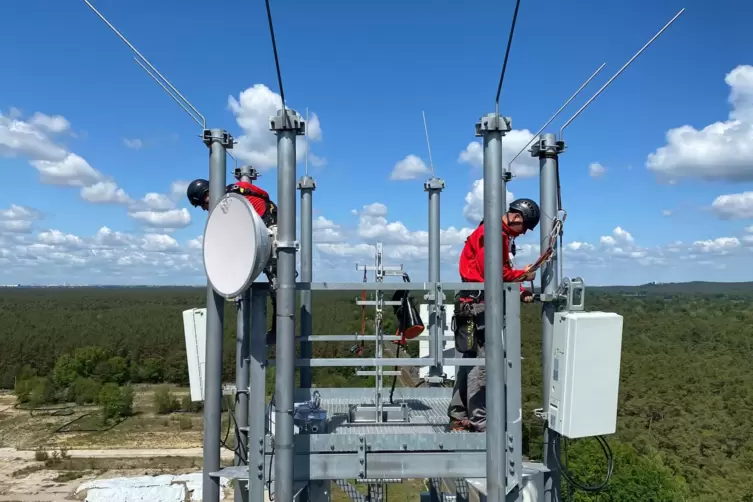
(529, 210)
(196, 191)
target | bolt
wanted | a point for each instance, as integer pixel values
(441, 446)
(360, 461)
(405, 446)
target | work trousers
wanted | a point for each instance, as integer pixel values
(469, 394)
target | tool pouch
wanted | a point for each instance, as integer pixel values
(468, 326)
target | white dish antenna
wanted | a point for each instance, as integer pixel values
(237, 246)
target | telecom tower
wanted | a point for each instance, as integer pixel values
(296, 445)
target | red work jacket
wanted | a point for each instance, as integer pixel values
(471, 265)
(258, 198)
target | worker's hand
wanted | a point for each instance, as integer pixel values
(526, 296)
(529, 276)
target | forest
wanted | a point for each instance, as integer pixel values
(686, 391)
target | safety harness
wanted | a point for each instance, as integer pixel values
(270, 208)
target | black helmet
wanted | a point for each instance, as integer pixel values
(529, 210)
(196, 191)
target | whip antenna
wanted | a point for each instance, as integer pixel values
(307, 141)
(428, 145)
(507, 55)
(183, 102)
(619, 71)
(556, 114)
(277, 60)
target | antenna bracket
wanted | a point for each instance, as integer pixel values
(493, 122)
(287, 120)
(225, 138)
(306, 183)
(546, 149)
(433, 184)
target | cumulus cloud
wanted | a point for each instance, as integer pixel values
(133, 143)
(409, 168)
(524, 166)
(596, 170)
(473, 210)
(734, 206)
(18, 219)
(722, 151)
(258, 145)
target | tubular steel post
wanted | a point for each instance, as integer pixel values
(436, 341)
(548, 150)
(218, 141)
(242, 341)
(257, 396)
(306, 185)
(286, 124)
(492, 127)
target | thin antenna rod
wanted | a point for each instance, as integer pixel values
(277, 60)
(168, 91)
(234, 159)
(507, 55)
(307, 141)
(620, 71)
(124, 39)
(428, 145)
(558, 112)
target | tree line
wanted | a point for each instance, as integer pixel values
(686, 387)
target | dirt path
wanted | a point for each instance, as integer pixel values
(12, 453)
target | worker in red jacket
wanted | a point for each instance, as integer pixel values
(467, 409)
(198, 195)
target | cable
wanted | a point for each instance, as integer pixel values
(272, 454)
(394, 377)
(507, 53)
(277, 60)
(586, 488)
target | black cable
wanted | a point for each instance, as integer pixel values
(272, 454)
(593, 488)
(507, 52)
(277, 60)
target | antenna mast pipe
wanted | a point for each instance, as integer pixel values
(548, 150)
(619, 72)
(436, 312)
(558, 112)
(219, 142)
(492, 127)
(203, 121)
(306, 185)
(286, 125)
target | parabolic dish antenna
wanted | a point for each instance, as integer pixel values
(237, 245)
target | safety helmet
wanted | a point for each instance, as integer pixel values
(196, 191)
(529, 210)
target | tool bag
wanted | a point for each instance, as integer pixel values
(468, 325)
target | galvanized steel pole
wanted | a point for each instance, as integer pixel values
(492, 127)
(306, 185)
(218, 142)
(257, 396)
(286, 124)
(547, 150)
(436, 341)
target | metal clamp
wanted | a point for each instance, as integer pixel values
(225, 138)
(542, 148)
(433, 184)
(286, 245)
(493, 122)
(572, 291)
(306, 182)
(291, 121)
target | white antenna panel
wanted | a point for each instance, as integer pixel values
(237, 245)
(195, 330)
(449, 345)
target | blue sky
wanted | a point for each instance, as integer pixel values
(365, 72)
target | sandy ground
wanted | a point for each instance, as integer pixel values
(23, 479)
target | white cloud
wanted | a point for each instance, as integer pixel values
(596, 170)
(326, 231)
(473, 211)
(666, 212)
(55, 124)
(133, 143)
(18, 219)
(258, 145)
(524, 166)
(734, 206)
(411, 167)
(721, 245)
(719, 151)
(105, 192)
(166, 220)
